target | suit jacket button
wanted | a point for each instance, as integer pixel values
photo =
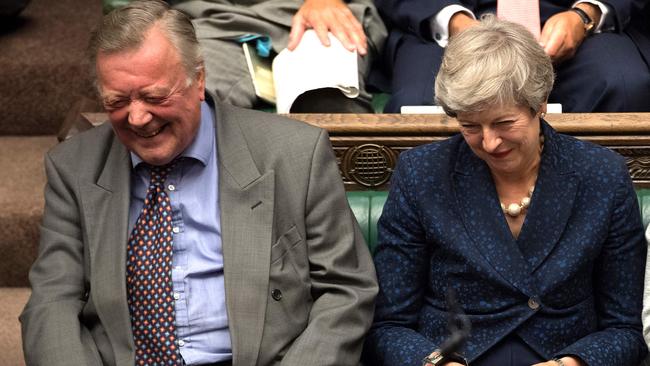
(533, 304)
(276, 294)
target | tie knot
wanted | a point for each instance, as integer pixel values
(159, 173)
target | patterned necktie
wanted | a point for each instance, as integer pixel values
(524, 12)
(149, 279)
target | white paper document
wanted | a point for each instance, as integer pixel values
(313, 66)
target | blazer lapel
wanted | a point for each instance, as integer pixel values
(480, 210)
(106, 211)
(246, 204)
(551, 204)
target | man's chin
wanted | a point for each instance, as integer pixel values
(155, 158)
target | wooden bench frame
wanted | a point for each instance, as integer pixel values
(367, 145)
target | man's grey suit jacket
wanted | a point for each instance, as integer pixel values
(285, 225)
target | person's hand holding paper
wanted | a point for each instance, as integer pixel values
(331, 16)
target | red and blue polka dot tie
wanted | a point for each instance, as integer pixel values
(149, 279)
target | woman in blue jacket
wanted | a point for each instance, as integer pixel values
(538, 234)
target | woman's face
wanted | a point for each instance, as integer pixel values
(506, 138)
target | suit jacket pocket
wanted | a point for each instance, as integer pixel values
(285, 243)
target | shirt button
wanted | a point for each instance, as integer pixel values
(276, 294)
(181, 343)
(438, 36)
(171, 187)
(533, 304)
(176, 230)
(177, 296)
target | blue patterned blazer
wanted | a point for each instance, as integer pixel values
(580, 256)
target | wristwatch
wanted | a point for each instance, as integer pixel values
(437, 359)
(588, 23)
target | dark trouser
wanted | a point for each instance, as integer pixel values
(512, 351)
(329, 100)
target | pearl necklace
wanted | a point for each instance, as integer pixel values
(515, 209)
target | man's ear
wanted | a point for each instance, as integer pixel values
(200, 82)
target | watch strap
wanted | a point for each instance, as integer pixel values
(586, 20)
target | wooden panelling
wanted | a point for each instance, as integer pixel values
(367, 145)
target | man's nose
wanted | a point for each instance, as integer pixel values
(491, 140)
(139, 114)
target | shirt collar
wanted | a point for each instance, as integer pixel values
(202, 146)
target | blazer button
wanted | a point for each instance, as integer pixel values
(276, 294)
(533, 304)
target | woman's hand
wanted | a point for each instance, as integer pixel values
(568, 361)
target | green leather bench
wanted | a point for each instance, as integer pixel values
(367, 207)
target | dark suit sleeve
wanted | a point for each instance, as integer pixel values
(412, 16)
(402, 261)
(623, 11)
(342, 276)
(618, 279)
(51, 331)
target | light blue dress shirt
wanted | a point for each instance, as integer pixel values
(197, 274)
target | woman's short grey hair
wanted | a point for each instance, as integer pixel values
(125, 29)
(491, 64)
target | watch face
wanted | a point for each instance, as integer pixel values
(433, 359)
(436, 359)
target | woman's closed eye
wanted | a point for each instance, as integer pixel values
(504, 124)
(470, 128)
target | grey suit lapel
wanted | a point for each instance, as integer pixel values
(106, 210)
(246, 204)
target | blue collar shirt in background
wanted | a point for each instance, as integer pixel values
(197, 274)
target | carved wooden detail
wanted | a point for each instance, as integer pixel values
(369, 165)
(638, 163)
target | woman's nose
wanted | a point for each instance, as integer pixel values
(491, 140)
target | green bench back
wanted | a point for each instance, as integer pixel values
(367, 207)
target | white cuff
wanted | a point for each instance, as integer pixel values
(440, 23)
(604, 11)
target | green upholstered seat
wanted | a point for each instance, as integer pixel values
(367, 207)
(109, 5)
(643, 195)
